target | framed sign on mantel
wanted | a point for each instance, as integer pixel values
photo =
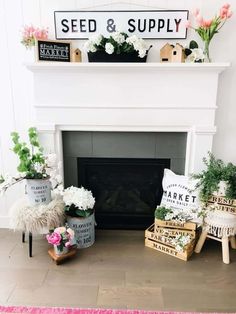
(152, 24)
(52, 50)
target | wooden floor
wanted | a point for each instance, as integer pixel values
(118, 271)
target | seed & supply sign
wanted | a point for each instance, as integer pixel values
(146, 24)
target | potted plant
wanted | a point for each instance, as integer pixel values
(79, 208)
(119, 47)
(62, 239)
(218, 178)
(39, 170)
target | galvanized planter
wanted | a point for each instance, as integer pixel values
(84, 228)
(38, 191)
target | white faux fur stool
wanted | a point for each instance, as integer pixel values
(35, 219)
(220, 226)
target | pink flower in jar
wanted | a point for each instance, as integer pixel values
(54, 238)
(67, 244)
(196, 12)
(207, 23)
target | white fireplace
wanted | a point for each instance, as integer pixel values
(151, 97)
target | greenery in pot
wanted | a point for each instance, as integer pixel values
(167, 214)
(79, 202)
(33, 164)
(215, 172)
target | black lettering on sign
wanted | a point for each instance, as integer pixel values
(92, 26)
(53, 51)
(132, 26)
(74, 25)
(177, 23)
(65, 29)
(161, 24)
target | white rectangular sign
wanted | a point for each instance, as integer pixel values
(156, 24)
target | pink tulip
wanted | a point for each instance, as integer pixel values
(196, 12)
(223, 13)
(188, 24)
(207, 23)
(229, 14)
(200, 20)
(54, 238)
(226, 6)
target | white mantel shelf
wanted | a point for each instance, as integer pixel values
(132, 97)
(156, 66)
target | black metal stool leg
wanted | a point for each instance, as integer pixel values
(23, 237)
(30, 244)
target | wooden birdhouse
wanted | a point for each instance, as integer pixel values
(76, 55)
(178, 54)
(166, 53)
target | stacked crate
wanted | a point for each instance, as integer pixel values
(159, 236)
(223, 204)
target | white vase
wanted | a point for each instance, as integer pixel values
(222, 187)
(58, 252)
(38, 191)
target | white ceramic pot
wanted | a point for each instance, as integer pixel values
(58, 252)
(38, 191)
(84, 228)
(222, 187)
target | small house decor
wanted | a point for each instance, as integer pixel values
(39, 170)
(119, 47)
(207, 29)
(171, 53)
(76, 55)
(79, 204)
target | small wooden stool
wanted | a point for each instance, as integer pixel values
(219, 226)
(61, 258)
(225, 244)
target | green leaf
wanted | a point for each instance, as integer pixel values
(193, 44)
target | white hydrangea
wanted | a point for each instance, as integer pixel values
(7, 181)
(109, 48)
(196, 55)
(96, 39)
(89, 46)
(52, 170)
(80, 197)
(118, 37)
(180, 241)
(139, 45)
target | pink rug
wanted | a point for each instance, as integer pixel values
(64, 310)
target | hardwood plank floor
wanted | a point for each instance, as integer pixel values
(118, 271)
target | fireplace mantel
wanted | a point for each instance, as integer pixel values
(149, 97)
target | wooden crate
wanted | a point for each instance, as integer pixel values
(172, 232)
(151, 241)
(223, 204)
(175, 224)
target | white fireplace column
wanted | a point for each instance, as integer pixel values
(151, 97)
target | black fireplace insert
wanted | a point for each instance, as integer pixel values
(127, 190)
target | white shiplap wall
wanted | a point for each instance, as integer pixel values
(16, 81)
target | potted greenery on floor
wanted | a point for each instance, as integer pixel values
(218, 178)
(79, 208)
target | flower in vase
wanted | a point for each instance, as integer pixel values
(207, 29)
(30, 34)
(54, 238)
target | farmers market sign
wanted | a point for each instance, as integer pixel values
(157, 24)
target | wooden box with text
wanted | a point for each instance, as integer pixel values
(175, 224)
(162, 244)
(223, 204)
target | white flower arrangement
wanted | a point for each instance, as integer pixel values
(117, 43)
(197, 55)
(78, 201)
(167, 214)
(180, 242)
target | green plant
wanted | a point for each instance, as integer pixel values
(216, 171)
(32, 161)
(161, 212)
